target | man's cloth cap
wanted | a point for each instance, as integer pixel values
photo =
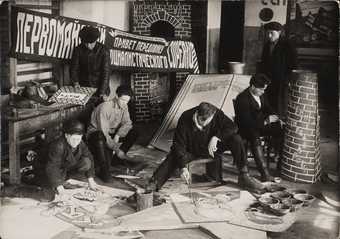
(74, 127)
(274, 26)
(89, 34)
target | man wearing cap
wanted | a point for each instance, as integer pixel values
(278, 59)
(255, 117)
(66, 155)
(90, 63)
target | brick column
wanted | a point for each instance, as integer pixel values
(301, 151)
(141, 88)
(144, 14)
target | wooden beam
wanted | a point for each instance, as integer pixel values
(14, 153)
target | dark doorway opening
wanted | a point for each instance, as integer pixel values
(163, 85)
(162, 29)
(231, 34)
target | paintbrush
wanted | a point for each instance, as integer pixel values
(192, 199)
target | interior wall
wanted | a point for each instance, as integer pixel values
(213, 35)
(112, 13)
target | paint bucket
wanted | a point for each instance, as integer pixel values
(235, 67)
(144, 200)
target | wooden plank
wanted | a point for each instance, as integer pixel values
(33, 66)
(229, 231)
(13, 71)
(14, 153)
(33, 2)
(34, 76)
(161, 217)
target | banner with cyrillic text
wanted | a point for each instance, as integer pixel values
(45, 37)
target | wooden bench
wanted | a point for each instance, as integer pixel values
(27, 124)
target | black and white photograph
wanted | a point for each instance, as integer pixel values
(167, 119)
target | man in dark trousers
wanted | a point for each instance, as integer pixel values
(65, 156)
(255, 118)
(278, 59)
(90, 63)
(111, 132)
(202, 132)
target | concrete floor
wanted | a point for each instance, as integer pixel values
(319, 221)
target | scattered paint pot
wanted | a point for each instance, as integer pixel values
(144, 200)
(280, 208)
(293, 203)
(277, 180)
(268, 201)
(281, 195)
(306, 198)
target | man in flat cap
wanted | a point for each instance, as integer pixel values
(277, 62)
(63, 157)
(90, 63)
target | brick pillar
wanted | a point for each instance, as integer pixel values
(141, 87)
(180, 79)
(301, 151)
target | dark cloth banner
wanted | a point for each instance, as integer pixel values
(45, 37)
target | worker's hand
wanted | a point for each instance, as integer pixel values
(116, 138)
(212, 147)
(92, 184)
(273, 118)
(61, 195)
(185, 175)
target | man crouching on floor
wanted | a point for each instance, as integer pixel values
(66, 155)
(204, 131)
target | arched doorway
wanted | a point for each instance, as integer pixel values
(162, 85)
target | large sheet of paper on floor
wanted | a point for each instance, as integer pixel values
(211, 207)
(216, 89)
(164, 217)
(22, 218)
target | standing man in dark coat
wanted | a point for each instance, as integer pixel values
(64, 156)
(255, 117)
(278, 59)
(204, 131)
(90, 62)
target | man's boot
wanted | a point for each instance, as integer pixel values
(261, 164)
(103, 158)
(249, 183)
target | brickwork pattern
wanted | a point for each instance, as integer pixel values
(301, 152)
(145, 13)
